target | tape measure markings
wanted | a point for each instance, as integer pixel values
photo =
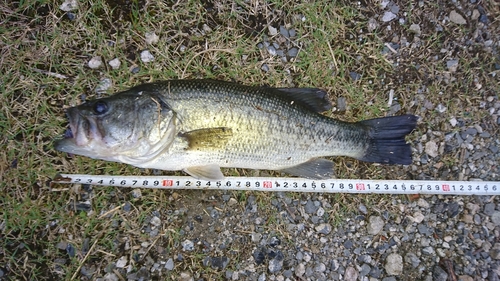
(290, 184)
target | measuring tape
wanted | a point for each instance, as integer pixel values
(290, 184)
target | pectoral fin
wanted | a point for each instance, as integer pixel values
(208, 139)
(208, 172)
(318, 169)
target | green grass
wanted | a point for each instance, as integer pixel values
(38, 40)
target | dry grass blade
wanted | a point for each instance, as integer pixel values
(421, 63)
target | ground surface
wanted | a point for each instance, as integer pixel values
(439, 60)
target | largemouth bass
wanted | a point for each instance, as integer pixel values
(199, 126)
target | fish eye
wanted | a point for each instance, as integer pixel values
(100, 107)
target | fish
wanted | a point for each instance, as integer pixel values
(201, 126)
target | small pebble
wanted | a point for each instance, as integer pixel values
(388, 16)
(136, 193)
(457, 18)
(135, 69)
(272, 31)
(441, 108)
(354, 75)
(300, 270)
(115, 63)
(122, 262)
(415, 28)
(439, 274)
(284, 31)
(151, 38)
(95, 62)
(69, 5)
(452, 65)
(155, 221)
(351, 274)
(394, 264)
(375, 225)
(495, 218)
(453, 122)
(431, 149)
(271, 50)
(341, 104)
(187, 245)
(103, 85)
(146, 56)
(372, 24)
(475, 14)
(362, 208)
(293, 52)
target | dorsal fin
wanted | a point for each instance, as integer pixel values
(313, 99)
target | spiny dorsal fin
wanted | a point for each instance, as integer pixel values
(208, 139)
(312, 98)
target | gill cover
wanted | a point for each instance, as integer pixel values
(129, 127)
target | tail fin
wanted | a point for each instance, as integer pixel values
(388, 145)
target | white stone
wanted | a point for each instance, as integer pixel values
(441, 108)
(69, 5)
(95, 62)
(394, 264)
(416, 29)
(104, 85)
(122, 262)
(423, 204)
(457, 18)
(151, 38)
(372, 24)
(272, 31)
(115, 63)
(156, 221)
(452, 65)
(375, 225)
(384, 3)
(475, 14)
(418, 217)
(388, 16)
(300, 270)
(232, 202)
(431, 149)
(146, 56)
(453, 122)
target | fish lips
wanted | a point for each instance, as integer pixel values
(81, 131)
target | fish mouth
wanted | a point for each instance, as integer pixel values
(80, 133)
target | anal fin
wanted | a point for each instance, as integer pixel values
(318, 169)
(208, 172)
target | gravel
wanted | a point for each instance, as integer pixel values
(301, 237)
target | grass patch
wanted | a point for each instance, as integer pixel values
(43, 63)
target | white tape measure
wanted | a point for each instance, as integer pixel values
(290, 184)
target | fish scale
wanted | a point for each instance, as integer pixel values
(259, 125)
(208, 124)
